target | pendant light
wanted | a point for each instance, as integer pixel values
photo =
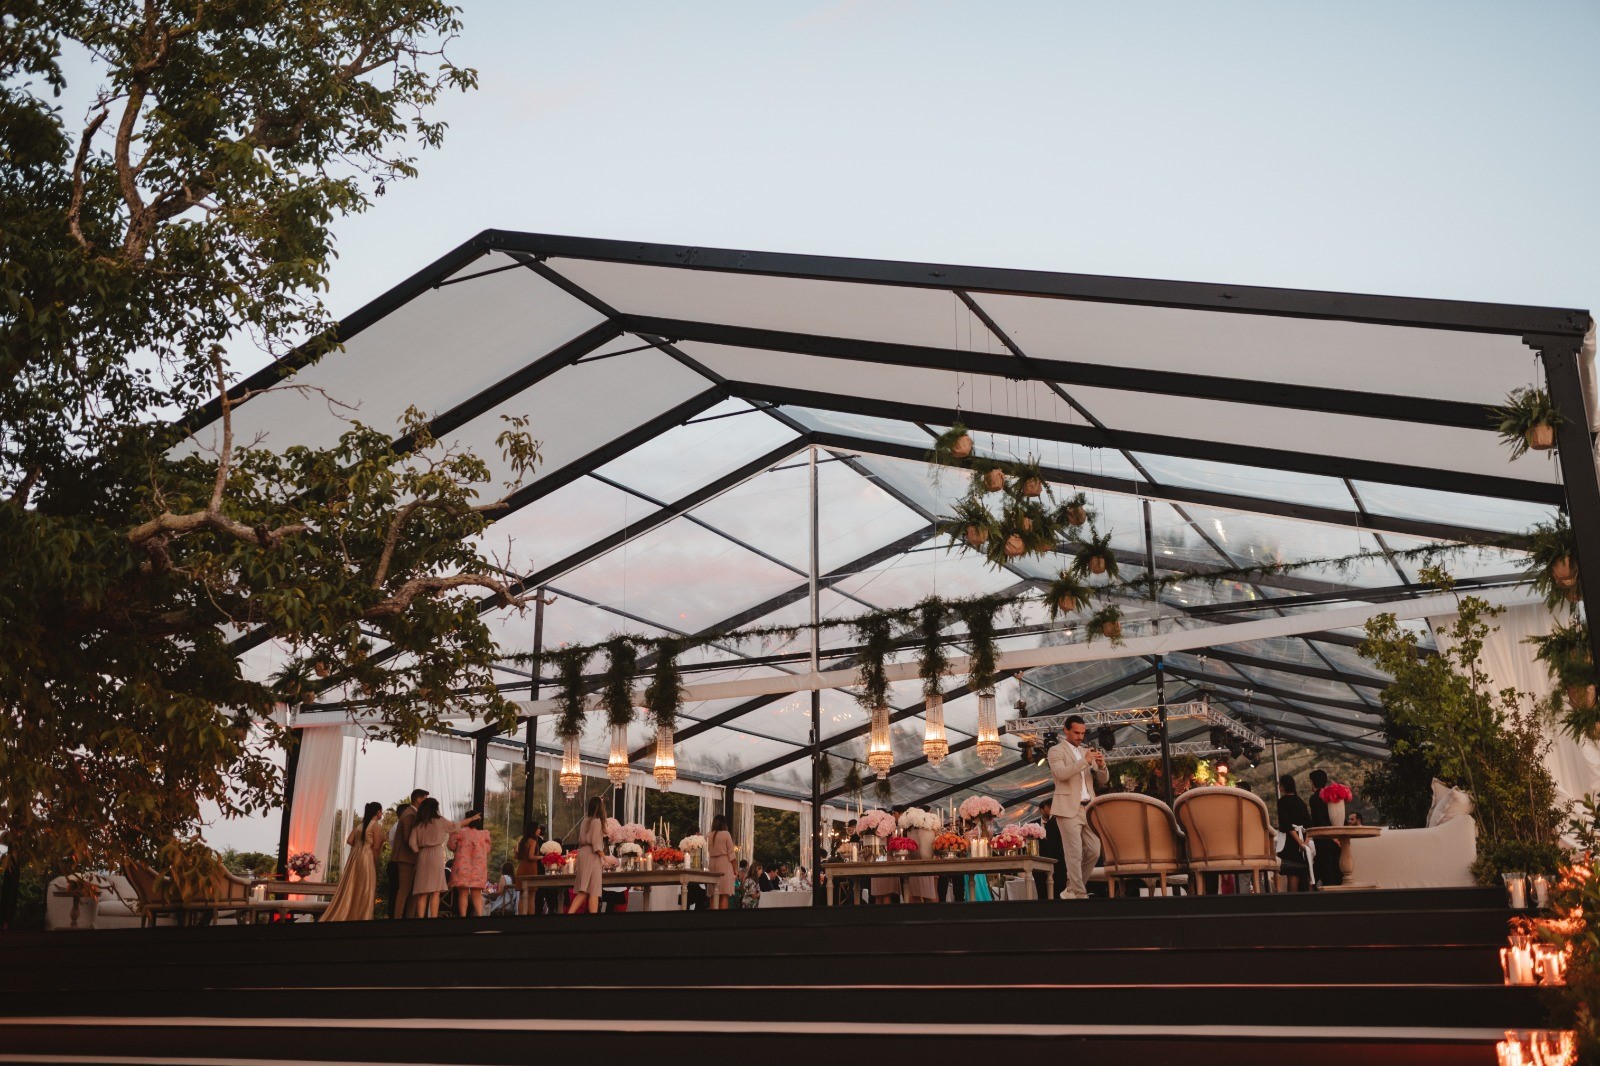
(666, 768)
(571, 771)
(617, 764)
(934, 744)
(989, 748)
(880, 752)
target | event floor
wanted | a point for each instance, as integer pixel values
(1381, 976)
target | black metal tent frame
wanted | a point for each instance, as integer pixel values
(1555, 334)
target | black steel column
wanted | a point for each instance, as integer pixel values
(819, 896)
(532, 733)
(1161, 674)
(480, 768)
(1576, 455)
(291, 762)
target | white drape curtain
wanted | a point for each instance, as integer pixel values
(1508, 660)
(633, 791)
(443, 766)
(744, 809)
(316, 790)
(807, 824)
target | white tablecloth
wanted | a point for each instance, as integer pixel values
(785, 899)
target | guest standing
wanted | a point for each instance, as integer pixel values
(358, 880)
(1327, 857)
(591, 847)
(1050, 848)
(720, 850)
(402, 856)
(1076, 770)
(427, 839)
(469, 872)
(545, 900)
(1292, 818)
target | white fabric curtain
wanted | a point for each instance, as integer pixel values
(316, 790)
(744, 809)
(807, 825)
(443, 765)
(1509, 662)
(705, 812)
(633, 796)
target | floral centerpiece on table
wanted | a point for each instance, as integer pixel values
(1007, 840)
(550, 847)
(614, 831)
(982, 808)
(609, 862)
(629, 849)
(667, 856)
(902, 847)
(301, 865)
(635, 833)
(950, 843)
(878, 823)
(913, 818)
(695, 842)
(1028, 830)
(552, 861)
(1334, 792)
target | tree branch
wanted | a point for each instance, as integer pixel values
(432, 586)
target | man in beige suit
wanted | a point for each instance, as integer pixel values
(1076, 769)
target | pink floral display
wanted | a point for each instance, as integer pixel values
(1027, 831)
(1333, 792)
(876, 821)
(613, 830)
(1007, 840)
(634, 833)
(979, 806)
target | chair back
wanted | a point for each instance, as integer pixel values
(1225, 827)
(1138, 834)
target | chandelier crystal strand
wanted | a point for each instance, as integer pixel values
(934, 744)
(617, 764)
(989, 749)
(666, 768)
(880, 753)
(571, 771)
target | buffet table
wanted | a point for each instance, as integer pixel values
(612, 879)
(1023, 864)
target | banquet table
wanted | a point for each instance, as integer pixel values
(642, 879)
(995, 864)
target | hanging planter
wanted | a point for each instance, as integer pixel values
(1015, 546)
(1581, 697)
(1527, 421)
(1564, 572)
(1075, 511)
(1567, 656)
(1094, 556)
(970, 523)
(1028, 479)
(994, 480)
(1552, 569)
(1066, 594)
(1107, 622)
(951, 446)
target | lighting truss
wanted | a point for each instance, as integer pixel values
(1033, 730)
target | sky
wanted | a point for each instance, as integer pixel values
(1412, 148)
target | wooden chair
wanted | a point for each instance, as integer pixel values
(150, 902)
(1227, 831)
(1138, 837)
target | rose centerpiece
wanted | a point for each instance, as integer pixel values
(949, 845)
(1007, 842)
(302, 865)
(902, 848)
(875, 826)
(629, 852)
(1031, 833)
(984, 810)
(1335, 795)
(552, 860)
(694, 849)
(667, 858)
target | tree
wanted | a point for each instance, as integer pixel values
(193, 209)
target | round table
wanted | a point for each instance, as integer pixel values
(1343, 834)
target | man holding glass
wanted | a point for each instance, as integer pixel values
(1076, 769)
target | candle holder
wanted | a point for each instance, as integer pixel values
(1541, 890)
(1516, 890)
(1544, 1047)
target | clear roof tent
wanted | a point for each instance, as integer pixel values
(678, 392)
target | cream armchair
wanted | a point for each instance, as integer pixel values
(1138, 838)
(1439, 857)
(1227, 831)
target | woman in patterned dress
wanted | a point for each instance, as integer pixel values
(591, 847)
(469, 873)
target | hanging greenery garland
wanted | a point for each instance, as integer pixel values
(934, 660)
(876, 633)
(852, 779)
(571, 696)
(665, 694)
(825, 772)
(978, 616)
(616, 694)
(883, 789)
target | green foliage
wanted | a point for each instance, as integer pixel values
(665, 693)
(1106, 622)
(1576, 900)
(978, 616)
(1524, 409)
(191, 213)
(934, 661)
(877, 639)
(777, 838)
(616, 689)
(571, 692)
(1068, 585)
(1484, 742)
(944, 446)
(1567, 655)
(1094, 548)
(1552, 563)
(248, 863)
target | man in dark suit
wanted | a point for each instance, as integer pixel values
(1050, 848)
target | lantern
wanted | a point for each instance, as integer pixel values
(989, 748)
(934, 744)
(666, 768)
(880, 751)
(571, 771)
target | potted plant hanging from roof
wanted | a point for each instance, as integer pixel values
(1527, 420)
(1029, 479)
(1075, 510)
(1094, 555)
(1107, 622)
(953, 445)
(988, 476)
(1566, 654)
(971, 523)
(1066, 594)
(1552, 567)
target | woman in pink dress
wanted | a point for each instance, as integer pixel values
(427, 837)
(591, 847)
(470, 870)
(720, 850)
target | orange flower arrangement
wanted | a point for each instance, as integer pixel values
(949, 842)
(667, 856)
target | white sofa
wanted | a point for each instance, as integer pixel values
(1440, 857)
(113, 913)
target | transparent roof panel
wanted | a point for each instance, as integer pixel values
(1342, 355)
(866, 427)
(1474, 512)
(1260, 482)
(688, 456)
(558, 525)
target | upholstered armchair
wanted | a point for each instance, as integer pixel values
(1138, 837)
(1226, 831)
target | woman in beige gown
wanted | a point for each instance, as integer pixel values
(428, 834)
(591, 846)
(358, 881)
(720, 850)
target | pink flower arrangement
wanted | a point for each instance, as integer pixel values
(876, 821)
(633, 833)
(1028, 831)
(1006, 840)
(902, 844)
(613, 830)
(979, 807)
(302, 865)
(1333, 792)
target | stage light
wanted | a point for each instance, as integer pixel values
(1152, 733)
(1105, 737)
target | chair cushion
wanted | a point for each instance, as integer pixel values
(1448, 804)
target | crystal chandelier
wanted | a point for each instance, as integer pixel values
(666, 768)
(988, 731)
(617, 764)
(571, 772)
(880, 752)
(934, 744)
